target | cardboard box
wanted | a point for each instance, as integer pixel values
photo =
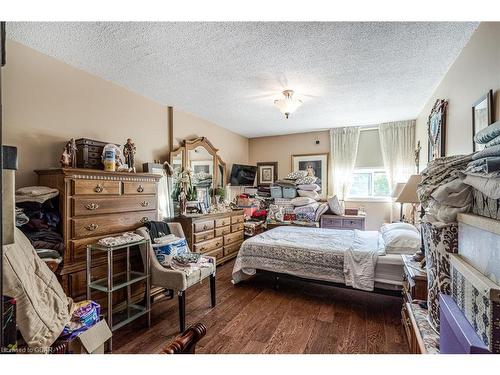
(92, 340)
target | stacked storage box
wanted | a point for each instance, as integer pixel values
(475, 273)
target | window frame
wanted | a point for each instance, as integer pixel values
(374, 198)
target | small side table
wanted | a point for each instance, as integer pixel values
(114, 282)
(415, 280)
(343, 221)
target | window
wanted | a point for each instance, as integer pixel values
(369, 183)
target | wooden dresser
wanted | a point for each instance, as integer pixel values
(95, 204)
(343, 222)
(218, 235)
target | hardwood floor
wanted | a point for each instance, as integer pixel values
(252, 317)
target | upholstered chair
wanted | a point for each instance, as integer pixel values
(176, 280)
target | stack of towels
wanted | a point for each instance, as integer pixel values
(487, 161)
(306, 185)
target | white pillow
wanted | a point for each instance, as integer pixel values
(310, 194)
(334, 205)
(309, 187)
(401, 241)
(302, 201)
(320, 211)
(393, 226)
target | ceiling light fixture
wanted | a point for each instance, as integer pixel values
(288, 104)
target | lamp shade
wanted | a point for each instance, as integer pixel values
(397, 189)
(409, 192)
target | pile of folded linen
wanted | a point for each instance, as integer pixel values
(301, 181)
(487, 161)
(190, 262)
(307, 209)
(442, 193)
(264, 191)
(37, 215)
(122, 239)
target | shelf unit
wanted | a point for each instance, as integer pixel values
(115, 282)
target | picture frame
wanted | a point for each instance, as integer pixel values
(267, 173)
(436, 130)
(482, 117)
(316, 165)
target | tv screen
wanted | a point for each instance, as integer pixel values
(243, 175)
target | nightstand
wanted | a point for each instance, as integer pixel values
(343, 222)
(414, 280)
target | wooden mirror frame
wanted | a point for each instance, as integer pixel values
(177, 151)
(224, 177)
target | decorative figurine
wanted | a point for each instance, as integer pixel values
(65, 158)
(417, 156)
(129, 151)
(72, 152)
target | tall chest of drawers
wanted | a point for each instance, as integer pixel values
(219, 235)
(94, 204)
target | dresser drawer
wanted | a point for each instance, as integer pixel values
(352, 223)
(96, 187)
(222, 222)
(332, 223)
(237, 227)
(230, 249)
(233, 237)
(109, 224)
(217, 253)
(203, 236)
(219, 232)
(95, 206)
(201, 226)
(209, 245)
(237, 219)
(137, 187)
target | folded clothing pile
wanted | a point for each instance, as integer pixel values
(37, 215)
(190, 262)
(264, 191)
(302, 182)
(442, 193)
(85, 315)
(122, 239)
(307, 209)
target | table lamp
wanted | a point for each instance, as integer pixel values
(409, 194)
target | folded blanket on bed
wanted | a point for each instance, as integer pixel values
(487, 152)
(484, 165)
(487, 185)
(495, 141)
(488, 133)
(360, 261)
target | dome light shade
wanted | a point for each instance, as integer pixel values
(288, 104)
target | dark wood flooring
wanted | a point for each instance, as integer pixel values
(252, 317)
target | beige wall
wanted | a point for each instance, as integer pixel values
(474, 72)
(47, 102)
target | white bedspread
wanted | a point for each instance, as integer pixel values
(313, 253)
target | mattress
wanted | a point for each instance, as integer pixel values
(313, 253)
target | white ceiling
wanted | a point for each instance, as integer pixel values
(230, 73)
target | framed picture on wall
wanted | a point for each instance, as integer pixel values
(267, 172)
(316, 165)
(436, 130)
(482, 116)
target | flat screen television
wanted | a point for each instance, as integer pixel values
(243, 175)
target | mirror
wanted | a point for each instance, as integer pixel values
(201, 162)
(177, 162)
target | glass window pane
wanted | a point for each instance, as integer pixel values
(380, 185)
(361, 185)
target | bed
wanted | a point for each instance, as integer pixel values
(322, 255)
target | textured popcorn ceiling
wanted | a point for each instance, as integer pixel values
(230, 73)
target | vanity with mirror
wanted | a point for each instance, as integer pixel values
(216, 234)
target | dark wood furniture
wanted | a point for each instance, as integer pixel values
(343, 222)
(88, 153)
(186, 342)
(219, 235)
(414, 292)
(94, 204)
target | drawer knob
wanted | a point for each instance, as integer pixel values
(144, 203)
(144, 220)
(92, 227)
(92, 206)
(98, 188)
(140, 189)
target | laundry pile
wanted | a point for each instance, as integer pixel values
(190, 262)
(122, 239)
(299, 183)
(37, 215)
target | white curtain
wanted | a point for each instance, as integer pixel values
(397, 142)
(344, 148)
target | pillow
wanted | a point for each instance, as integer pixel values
(323, 207)
(165, 252)
(401, 241)
(308, 208)
(396, 226)
(334, 205)
(306, 180)
(309, 187)
(310, 194)
(295, 175)
(488, 133)
(302, 201)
